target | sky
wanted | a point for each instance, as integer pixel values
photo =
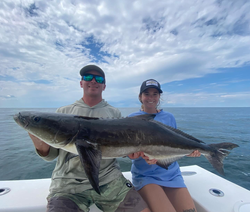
(199, 51)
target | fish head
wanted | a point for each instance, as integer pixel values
(56, 129)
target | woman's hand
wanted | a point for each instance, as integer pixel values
(195, 153)
(141, 154)
(135, 155)
(150, 162)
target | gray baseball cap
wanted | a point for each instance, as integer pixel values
(88, 68)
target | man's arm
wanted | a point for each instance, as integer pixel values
(41, 147)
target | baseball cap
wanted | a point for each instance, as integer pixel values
(88, 68)
(150, 83)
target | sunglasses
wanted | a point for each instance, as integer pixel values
(89, 77)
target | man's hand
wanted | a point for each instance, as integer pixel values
(41, 147)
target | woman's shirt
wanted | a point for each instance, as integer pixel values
(143, 173)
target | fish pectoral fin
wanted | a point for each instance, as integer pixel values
(146, 117)
(90, 157)
(165, 163)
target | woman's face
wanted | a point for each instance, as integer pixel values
(150, 98)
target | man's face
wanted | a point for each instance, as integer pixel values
(92, 88)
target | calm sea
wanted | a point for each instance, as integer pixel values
(212, 125)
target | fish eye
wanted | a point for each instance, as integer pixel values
(37, 119)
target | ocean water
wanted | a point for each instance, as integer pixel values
(211, 125)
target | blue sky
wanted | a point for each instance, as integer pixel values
(198, 50)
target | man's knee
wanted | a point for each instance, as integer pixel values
(133, 202)
(62, 204)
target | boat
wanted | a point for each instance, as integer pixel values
(210, 192)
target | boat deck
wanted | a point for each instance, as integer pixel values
(210, 193)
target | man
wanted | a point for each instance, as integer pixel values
(70, 190)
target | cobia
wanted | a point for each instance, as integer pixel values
(94, 139)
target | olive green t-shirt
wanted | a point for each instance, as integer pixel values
(68, 175)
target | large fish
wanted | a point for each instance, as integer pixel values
(94, 139)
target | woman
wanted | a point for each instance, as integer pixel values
(163, 190)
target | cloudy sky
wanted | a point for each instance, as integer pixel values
(198, 50)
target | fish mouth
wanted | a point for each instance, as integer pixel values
(21, 120)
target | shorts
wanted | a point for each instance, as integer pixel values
(113, 198)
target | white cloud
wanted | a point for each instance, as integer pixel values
(202, 99)
(132, 41)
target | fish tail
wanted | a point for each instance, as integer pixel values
(220, 151)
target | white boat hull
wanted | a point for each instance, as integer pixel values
(206, 189)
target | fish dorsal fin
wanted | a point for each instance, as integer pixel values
(110, 118)
(178, 131)
(86, 117)
(97, 118)
(146, 117)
